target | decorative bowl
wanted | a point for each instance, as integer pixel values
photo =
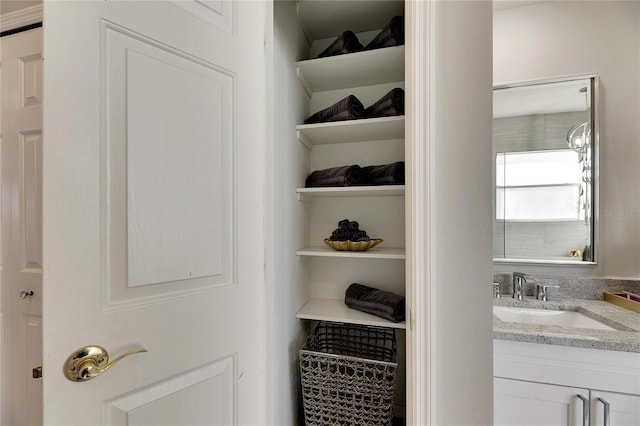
(353, 245)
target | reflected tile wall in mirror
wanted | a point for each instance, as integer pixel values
(544, 142)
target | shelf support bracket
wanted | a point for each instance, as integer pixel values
(304, 140)
(304, 82)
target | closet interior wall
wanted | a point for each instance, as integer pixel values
(289, 165)
(305, 222)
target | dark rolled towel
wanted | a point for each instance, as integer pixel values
(389, 105)
(377, 302)
(354, 225)
(349, 108)
(347, 42)
(338, 235)
(359, 235)
(335, 176)
(391, 35)
(344, 224)
(388, 174)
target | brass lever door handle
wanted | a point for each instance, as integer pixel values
(90, 361)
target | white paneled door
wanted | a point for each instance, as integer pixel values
(153, 236)
(21, 279)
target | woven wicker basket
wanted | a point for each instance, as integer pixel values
(348, 375)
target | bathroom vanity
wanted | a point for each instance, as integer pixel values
(562, 375)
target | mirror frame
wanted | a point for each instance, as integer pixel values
(595, 162)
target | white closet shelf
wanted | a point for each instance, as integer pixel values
(374, 253)
(337, 311)
(324, 19)
(352, 191)
(367, 130)
(366, 68)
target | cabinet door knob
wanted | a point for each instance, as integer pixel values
(607, 409)
(26, 293)
(585, 410)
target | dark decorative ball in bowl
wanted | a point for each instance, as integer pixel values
(349, 237)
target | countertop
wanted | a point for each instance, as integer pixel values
(625, 338)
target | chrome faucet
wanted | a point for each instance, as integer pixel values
(519, 280)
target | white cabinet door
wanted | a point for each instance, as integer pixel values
(520, 403)
(21, 316)
(154, 123)
(623, 409)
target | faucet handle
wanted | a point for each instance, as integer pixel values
(496, 290)
(541, 291)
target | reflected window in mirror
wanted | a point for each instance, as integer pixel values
(523, 194)
(544, 145)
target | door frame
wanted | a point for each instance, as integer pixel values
(419, 33)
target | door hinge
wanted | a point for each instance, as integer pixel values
(36, 372)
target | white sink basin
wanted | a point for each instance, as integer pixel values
(548, 317)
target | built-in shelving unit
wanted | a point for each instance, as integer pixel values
(380, 210)
(369, 74)
(371, 129)
(336, 310)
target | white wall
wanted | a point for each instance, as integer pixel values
(563, 38)
(287, 166)
(460, 213)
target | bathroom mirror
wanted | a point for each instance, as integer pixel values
(545, 141)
